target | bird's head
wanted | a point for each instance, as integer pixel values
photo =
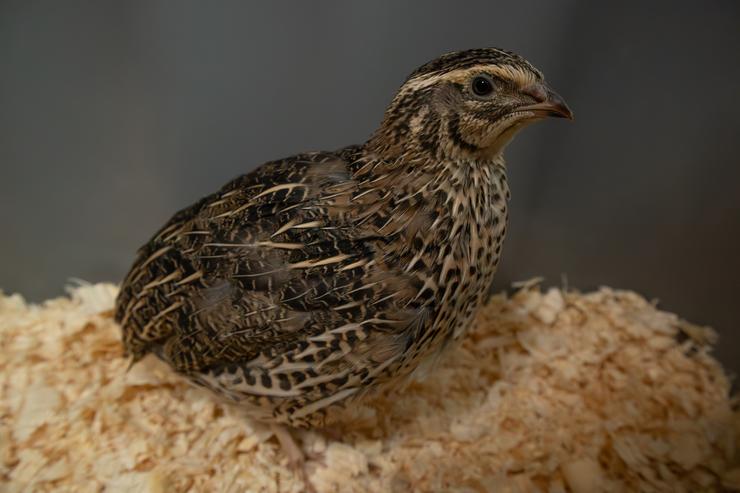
(466, 105)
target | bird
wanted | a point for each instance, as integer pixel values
(319, 279)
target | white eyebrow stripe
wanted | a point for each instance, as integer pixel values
(515, 74)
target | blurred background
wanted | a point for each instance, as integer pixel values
(113, 115)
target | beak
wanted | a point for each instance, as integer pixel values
(549, 103)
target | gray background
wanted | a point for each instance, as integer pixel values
(115, 114)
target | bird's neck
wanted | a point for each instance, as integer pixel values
(420, 169)
(459, 195)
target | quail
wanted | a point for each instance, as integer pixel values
(318, 278)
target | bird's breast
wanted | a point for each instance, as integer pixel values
(458, 253)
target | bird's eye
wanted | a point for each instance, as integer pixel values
(482, 85)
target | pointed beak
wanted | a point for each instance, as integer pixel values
(549, 103)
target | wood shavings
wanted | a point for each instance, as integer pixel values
(583, 475)
(549, 392)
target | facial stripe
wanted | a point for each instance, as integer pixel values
(516, 75)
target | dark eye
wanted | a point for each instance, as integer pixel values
(482, 85)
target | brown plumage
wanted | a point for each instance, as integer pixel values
(302, 285)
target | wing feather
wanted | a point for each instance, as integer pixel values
(286, 273)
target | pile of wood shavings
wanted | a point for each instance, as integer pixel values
(550, 392)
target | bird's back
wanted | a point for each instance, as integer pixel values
(293, 287)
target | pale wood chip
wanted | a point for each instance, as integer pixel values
(583, 475)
